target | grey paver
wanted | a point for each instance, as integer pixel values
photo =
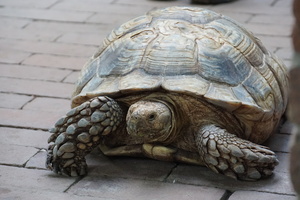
(15, 154)
(33, 72)
(48, 104)
(72, 78)
(273, 19)
(29, 118)
(86, 39)
(278, 142)
(253, 7)
(270, 29)
(64, 27)
(28, 3)
(126, 167)
(284, 3)
(13, 22)
(55, 61)
(32, 179)
(285, 53)
(109, 187)
(34, 87)
(12, 56)
(92, 5)
(38, 160)
(195, 175)
(275, 41)
(13, 100)
(48, 47)
(21, 34)
(287, 128)
(45, 14)
(24, 137)
(17, 193)
(250, 195)
(111, 18)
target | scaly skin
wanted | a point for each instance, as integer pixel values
(79, 132)
(153, 125)
(232, 156)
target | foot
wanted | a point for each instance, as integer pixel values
(232, 156)
(79, 132)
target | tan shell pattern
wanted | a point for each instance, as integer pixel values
(192, 51)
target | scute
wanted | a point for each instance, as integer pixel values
(191, 51)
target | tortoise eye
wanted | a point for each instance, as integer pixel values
(152, 117)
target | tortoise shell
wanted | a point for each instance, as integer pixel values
(192, 51)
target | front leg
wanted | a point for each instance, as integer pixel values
(79, 132)
(227, 154)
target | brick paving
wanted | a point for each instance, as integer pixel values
(43, 45)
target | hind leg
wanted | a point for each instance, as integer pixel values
(227, 154)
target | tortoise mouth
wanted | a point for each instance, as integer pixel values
(149, 136)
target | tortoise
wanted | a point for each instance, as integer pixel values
(181, 84)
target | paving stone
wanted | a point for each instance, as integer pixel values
(45, 14)
(273, 19)
(158, 3)
(34, 87)
(15, 154)
(13, 22)
(38, 160)
(63, 27)
(12, 56)
(283, 165)
(116, 188)
(239, 17)
(24, 137)
(28, 3)
(127, 167)
(250, 195)
(48, 47)
(48, 104)
(32, 179)
(287, 128)
(285, 53)
(33, 72)
(258, 7)
(275, 41)
(28, 118)
(64, 62)
(253, 3)
(288, 64)
(86, 39)
(111, 18)
(13, 100)
(278, 142)
(269, 29)
(95, 6)
(284, 4)
(16, 33)
(17, 193)
(72, 78)
(195, 175)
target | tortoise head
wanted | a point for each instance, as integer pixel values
(152, 121)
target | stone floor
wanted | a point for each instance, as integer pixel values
(44, 44)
